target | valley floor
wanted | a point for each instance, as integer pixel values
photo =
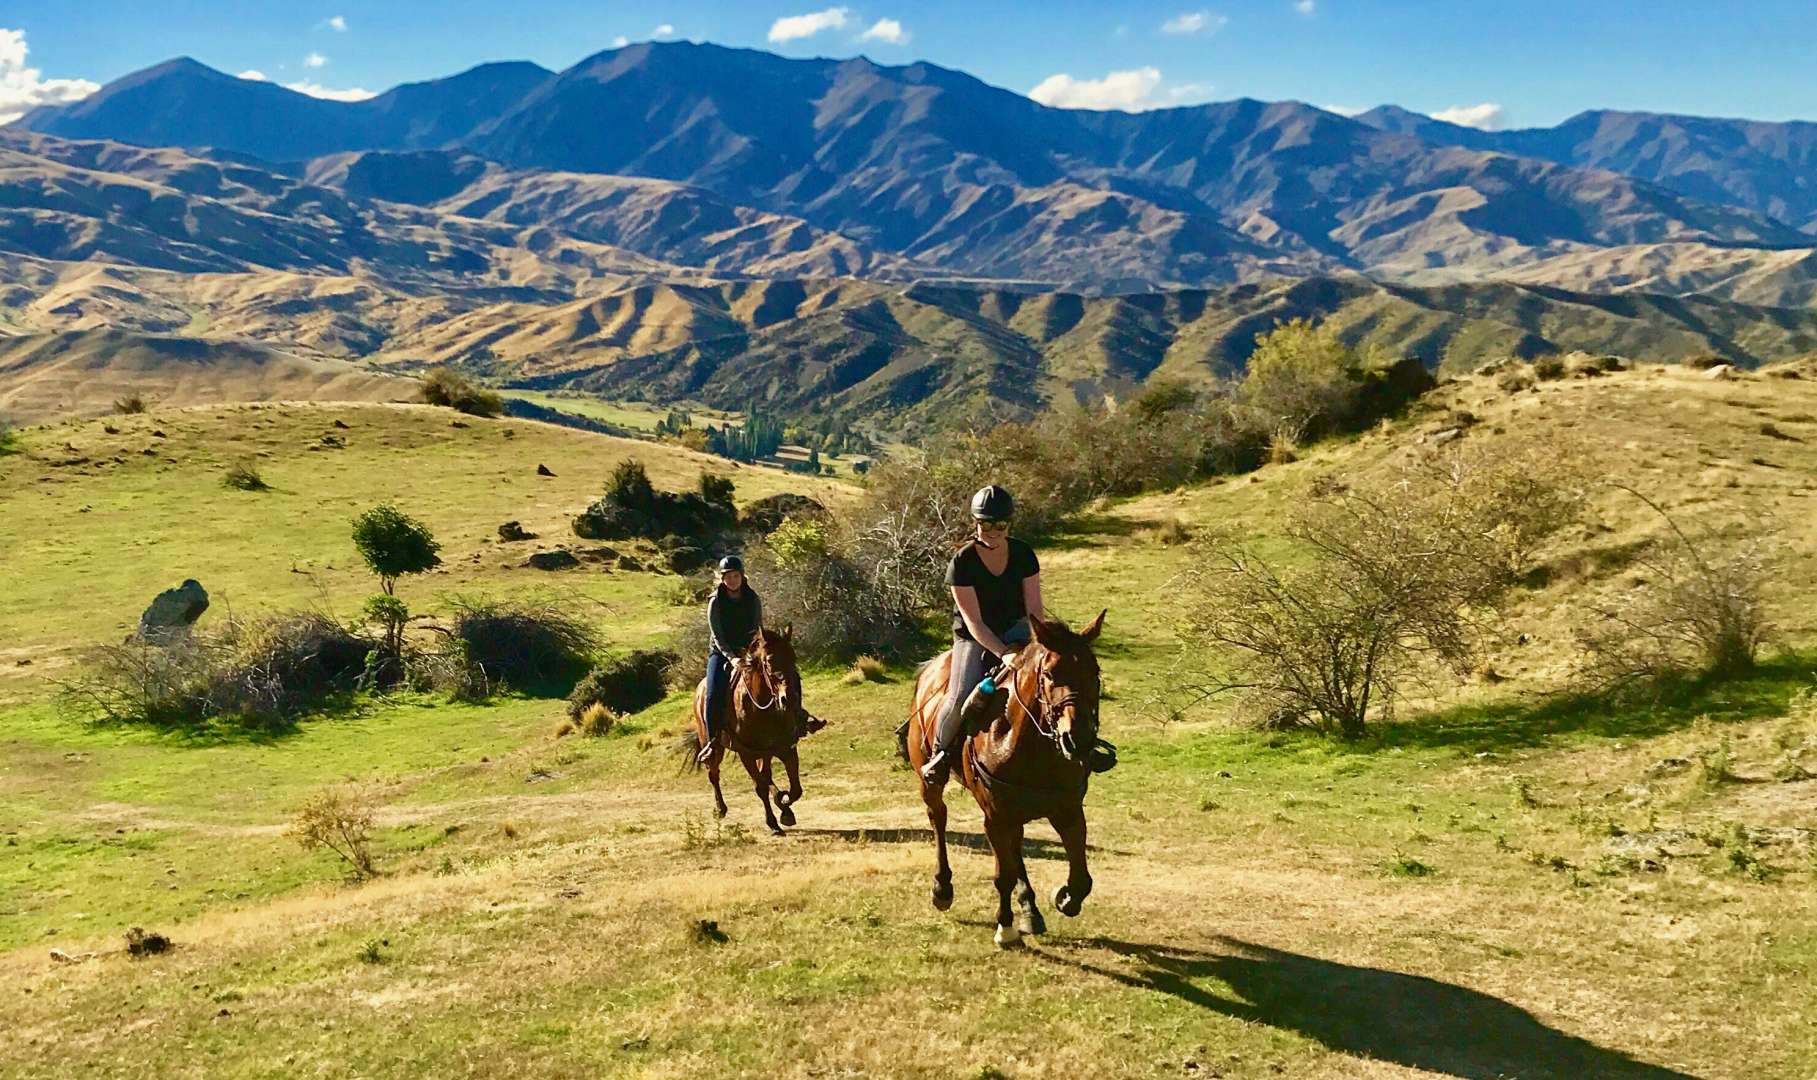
(1498, 885)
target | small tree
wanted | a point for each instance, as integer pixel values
(1392, 575)
(391, 615)
(394, 544)
(1302, 381)
(449, 388)
(341, 821)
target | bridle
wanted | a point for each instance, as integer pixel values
(778, 689)
(1043, 688)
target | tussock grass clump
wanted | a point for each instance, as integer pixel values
(624, 685)
(9, 438)
(253, 672)
(245, 476)
(597, 720)
(866, 669)
(130, 405)
(1172, 533)
(450, 389)
(141, 943)
(339, 819)
(528, 646)
(1548, 368)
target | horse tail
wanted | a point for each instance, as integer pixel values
(687, 744)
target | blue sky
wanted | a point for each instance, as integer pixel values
(1502, 64)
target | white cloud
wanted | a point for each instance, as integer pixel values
(1194, 22)
(1485, 117)
(665, 30)
(315, 60)
(337, 23)
(317, 90)
(620, 41)
(1346, 110)
(1131, 91)
(1306, 7)
(23, 88)
(1192, 93)
(253, 75)
(885, 30)
(790, 27)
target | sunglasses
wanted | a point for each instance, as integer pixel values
(994, 524)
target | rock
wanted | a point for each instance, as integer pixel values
(334, 442)
(543, 470)
(1720, 371)
(342, 424)
(156, 434)
(630, 565)
(1442, 437)
(552, 560)
(172, 613)
(512, 531)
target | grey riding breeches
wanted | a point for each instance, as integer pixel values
(969, 660)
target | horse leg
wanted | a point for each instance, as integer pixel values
(1006, 845)
(719, 797)
(785, 800)
(935, 798)
(760, 779)
(1071, 896)
(1028, 913)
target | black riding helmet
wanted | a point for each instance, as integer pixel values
(992, 503)
(731, 562)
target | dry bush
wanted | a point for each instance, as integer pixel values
(1514, 379)
(1172, 533)
(1700, 610)
(129, 405)
(339, 819)
(1392, 576)
(865, 669)
(1549, 367)
(255, 672)
(526, 645)
(450, 389)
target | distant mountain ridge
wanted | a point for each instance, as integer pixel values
(937, 169)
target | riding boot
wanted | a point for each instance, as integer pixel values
(983, 705)
(939, 765)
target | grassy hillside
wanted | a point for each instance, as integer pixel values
(1500, 883)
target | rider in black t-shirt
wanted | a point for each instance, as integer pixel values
(996, 584)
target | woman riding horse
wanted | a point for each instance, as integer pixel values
(734, 615)
(996, 585)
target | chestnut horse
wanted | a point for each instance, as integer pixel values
(761, 726)
(1030, 764)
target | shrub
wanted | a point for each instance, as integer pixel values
(1705, 361)
(390, 614)
(1549, 367)
(394, 544)
(244, 476)
(633, 508)
(130, 404)
(623, 685)
(450, 389)
(339, 819)
(1700, 610)
(1301, 379)
(1393, 575)
(9, 437)
(523, 645)
(1515, 379)
(256, 672)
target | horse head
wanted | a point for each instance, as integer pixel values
(1066, 683)
(769, 662)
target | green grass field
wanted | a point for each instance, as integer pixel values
(1502, 883)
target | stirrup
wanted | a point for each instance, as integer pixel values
(706, 751)
(939, 766)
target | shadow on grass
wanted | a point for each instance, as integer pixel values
(1032, 846)
(1760, 694)
(1410, 1020)
(1089, 531)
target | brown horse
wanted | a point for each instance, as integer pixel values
(1031, 764)
(761, 726)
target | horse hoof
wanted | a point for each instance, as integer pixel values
(776, 830)
(1065, 903)
(943, 897)
(1008, 937)
(1031, 923)
(787, 816)
(719, 811)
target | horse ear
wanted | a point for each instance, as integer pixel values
(1038, 628)
(788, 632)
(1090, 633)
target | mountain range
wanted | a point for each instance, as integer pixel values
(682, 219)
